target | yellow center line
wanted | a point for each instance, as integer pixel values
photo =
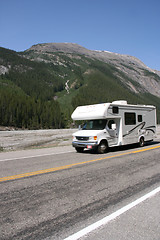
(70, 165)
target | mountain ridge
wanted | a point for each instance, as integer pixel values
(76, 48)
(129, 65)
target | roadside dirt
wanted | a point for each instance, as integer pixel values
(27, 139)
(31, 139)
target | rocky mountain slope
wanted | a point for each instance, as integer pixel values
(132, 67)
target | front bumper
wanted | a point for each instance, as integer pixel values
(91, 145)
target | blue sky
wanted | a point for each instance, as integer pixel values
(121, 26)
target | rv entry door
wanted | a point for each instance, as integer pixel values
(112, 130)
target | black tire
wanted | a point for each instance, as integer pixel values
(79, 149)
(102, 147)
(141, 142)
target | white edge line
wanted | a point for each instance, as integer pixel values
(112, 216)
(47, 154)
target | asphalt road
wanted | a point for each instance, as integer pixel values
(55, 193)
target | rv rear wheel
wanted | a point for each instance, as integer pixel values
(79, 149)
(141, 142)
(102, 147)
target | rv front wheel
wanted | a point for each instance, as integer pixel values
(141, 142)
(102, 147)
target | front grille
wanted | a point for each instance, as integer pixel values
(82, 138)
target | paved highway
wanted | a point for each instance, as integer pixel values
(55, 193)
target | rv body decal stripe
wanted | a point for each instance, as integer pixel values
(149, 128)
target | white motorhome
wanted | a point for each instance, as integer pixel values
(113, 124)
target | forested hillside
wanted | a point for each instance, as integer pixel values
(20, 110)
(27, 92)
(41, 89)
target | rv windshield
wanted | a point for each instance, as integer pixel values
(98, 124)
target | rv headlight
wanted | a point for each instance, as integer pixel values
(73, 138)
(93, 138)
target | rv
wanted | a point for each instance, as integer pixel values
(113, 124)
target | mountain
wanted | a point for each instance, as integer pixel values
(132, 67)
(57, 77)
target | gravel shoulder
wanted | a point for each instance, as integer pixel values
(32, 139)
(29, 139)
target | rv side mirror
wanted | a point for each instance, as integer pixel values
(113, 126)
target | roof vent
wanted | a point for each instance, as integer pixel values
(121, 102)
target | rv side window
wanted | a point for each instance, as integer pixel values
(115, 110)
(130, 118)
(139, 118)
